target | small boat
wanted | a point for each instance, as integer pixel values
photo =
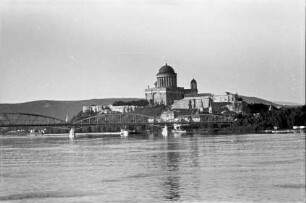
(178, 129)
(72, 133)
(124, 132)
(165, 131)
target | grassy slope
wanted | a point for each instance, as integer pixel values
(256, 100)
(154, 111)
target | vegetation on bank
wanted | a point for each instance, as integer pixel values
(141, 102)
(255, 118)
(153, 111)
(259, 117)
(82, 115)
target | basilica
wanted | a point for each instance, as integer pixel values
(166, 89)
(166, 92)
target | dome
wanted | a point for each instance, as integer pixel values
(193, 81)
(166, 69)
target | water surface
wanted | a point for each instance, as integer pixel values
(143, 168)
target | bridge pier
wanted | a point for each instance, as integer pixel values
(72, 133)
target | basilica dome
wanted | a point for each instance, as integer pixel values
(166, 70)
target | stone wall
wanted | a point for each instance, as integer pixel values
(164, 96)
(122, 109)
(192, 103)
(94, 108)
(229, 97)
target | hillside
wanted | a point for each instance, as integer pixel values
(290, 104)
(56, 109)
(256, 100)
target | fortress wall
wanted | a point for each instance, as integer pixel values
(225, 98)
(220, 98)
(181, 104)
(191, 103)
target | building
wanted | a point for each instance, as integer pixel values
(167, 92)
(122, 109)
(96, 108)
(166, 89)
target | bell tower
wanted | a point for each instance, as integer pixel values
(193, 84)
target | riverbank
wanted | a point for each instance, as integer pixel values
(190, 133)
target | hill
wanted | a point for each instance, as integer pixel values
(256, 100)
(57, 109)
(290, 104)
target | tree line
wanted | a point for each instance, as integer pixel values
(260, 117)
(141, 102)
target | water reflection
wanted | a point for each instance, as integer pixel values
(194, 150)
(171, 183)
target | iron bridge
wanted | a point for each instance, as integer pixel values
(26, 119)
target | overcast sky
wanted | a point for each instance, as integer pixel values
(71, 50)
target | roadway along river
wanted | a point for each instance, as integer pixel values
(187, 168)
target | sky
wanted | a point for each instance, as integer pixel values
(77, 49)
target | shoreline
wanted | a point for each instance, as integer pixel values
(199, 131)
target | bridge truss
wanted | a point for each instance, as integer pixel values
(26, 119)
(112, 119)
(138, 119)
(209, 118)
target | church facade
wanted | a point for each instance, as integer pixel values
(165, 90)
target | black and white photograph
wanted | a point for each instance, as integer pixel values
(152, 101)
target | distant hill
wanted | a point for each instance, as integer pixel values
(287, 103)
(57, 109)
(256, 100)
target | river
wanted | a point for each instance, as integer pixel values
(153, 168)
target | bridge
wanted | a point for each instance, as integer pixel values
(35, 120)
(28, 120)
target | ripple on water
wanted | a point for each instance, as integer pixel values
(41, 195)
(291, 186)
(236, 168)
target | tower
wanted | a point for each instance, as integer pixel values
(193, 85)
